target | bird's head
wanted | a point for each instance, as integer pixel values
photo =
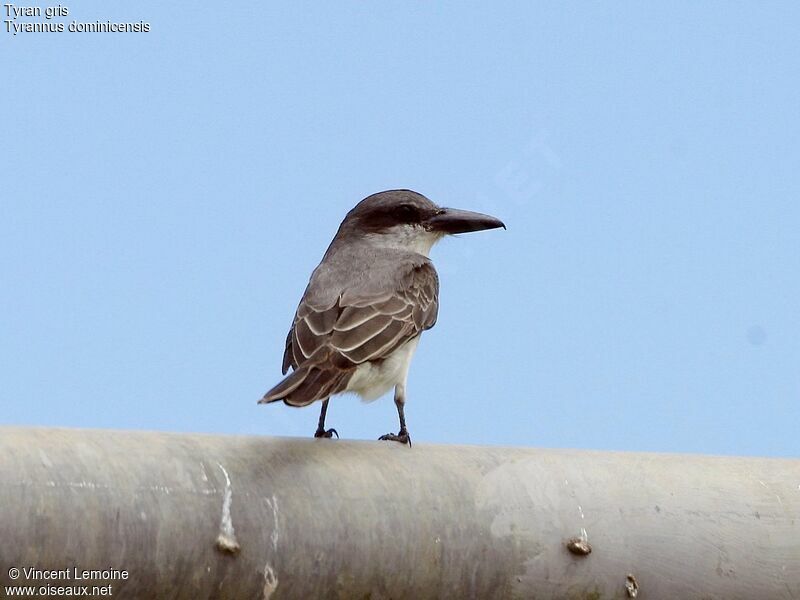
(409, 221)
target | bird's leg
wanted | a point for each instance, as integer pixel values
(402, 436)
(321, 432)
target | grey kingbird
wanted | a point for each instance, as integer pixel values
(367, 303)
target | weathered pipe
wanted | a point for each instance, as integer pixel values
(202, 516)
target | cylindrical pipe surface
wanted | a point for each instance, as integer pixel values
(201, 516)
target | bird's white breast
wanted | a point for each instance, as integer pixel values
(373, 379)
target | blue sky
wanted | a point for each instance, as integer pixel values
(166, 196)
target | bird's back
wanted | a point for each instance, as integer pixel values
(361, 304)
(360, 270)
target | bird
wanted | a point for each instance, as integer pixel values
(368, 302)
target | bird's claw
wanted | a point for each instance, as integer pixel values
(326, 433)
(402, 436)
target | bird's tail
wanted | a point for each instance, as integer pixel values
(308, 384)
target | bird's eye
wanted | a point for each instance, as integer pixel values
(406, 212)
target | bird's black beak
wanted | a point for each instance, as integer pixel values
(453, 220)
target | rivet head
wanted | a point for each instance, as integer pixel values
(579, 546)
(631, 586)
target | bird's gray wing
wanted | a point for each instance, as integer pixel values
(288, 353)
(365, 324)
(326, 344)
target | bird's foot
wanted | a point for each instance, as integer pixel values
(326, 433)
(402, 436)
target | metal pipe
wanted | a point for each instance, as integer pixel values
(203, 516)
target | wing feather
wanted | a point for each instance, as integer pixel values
(382, 345)
(392, 306)
(344, 341)
(305, 339)
(354, 316)
(322, 322)
(363, 325)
